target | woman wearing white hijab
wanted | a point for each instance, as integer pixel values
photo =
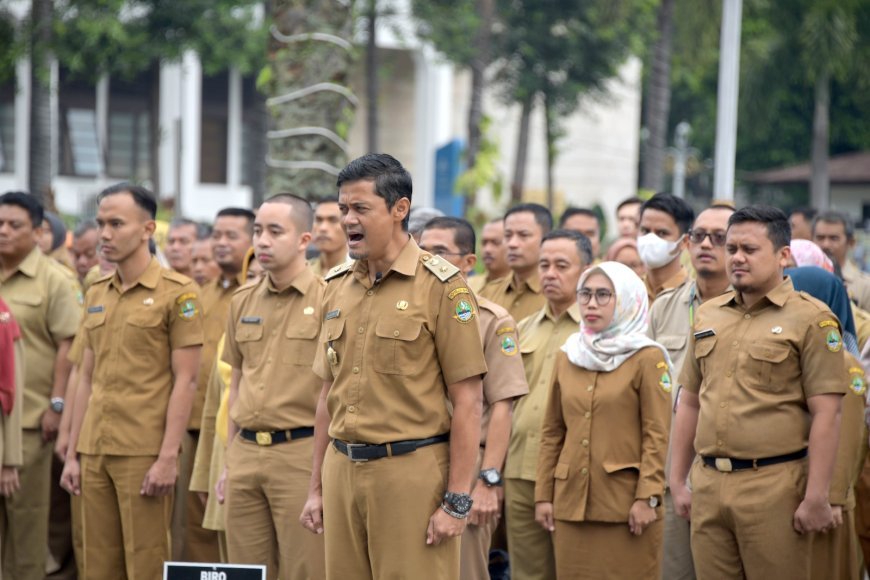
(601, 466)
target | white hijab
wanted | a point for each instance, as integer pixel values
(606, 350)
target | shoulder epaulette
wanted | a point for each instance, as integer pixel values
(248, 285)
(339, 270)
(103, 278)
(442, 269)
(175, 276)
(814, 301)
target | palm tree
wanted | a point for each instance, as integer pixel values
(657, 104)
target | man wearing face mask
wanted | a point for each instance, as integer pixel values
(664, 222)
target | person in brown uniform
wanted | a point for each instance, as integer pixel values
(142, 336)
(84, 249)
(44, 303)
(835, 554)
(520, 293)
(664, 221)
(231, 239)
(834, 232)
(270, 343)
(399, 341)
(329, 238)
(493, 254)
(203, 267)
(601, 468)
(761, 390)
(453, 239)
(565, 255)
(179, 245)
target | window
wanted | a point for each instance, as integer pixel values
(79, 148)
(213, 135)
(129, 150)
(253, 139)
(7, 128)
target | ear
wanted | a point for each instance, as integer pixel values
(304, 240)
(784, 256)
(401, 209)
(469, 262)
(150, 226)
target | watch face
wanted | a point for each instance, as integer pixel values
(491, 476)
(653, 502)
(460, 502)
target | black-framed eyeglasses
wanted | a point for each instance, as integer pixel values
(602, 296)
(439, 252)
(716, 238)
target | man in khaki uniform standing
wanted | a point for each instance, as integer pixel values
(399, 341)
(271, 340)
(670, 324)
(493, 254)
(231, 238)
(761, 391)
(179, 245)
(520, 293)
(835, 234)
(565, 255)
(142, 336)
(453, 239)
(329, 238)
(664, 221)
(44, 303)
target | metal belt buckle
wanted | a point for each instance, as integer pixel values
(724, 464)
(351, 447)
(264, 438)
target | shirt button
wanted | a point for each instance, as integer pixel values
(395, 333)
(587, 414)
(589, 388)
(269, 360)
(584, 471)
(360, 330)
(720, 443)
(256, 413)
(351, 409)
(723, 405)
(355, 370)
(370, 292)
(728, 374)
(585, 443)
(735, 343)
(747, 316)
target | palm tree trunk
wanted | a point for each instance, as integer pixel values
(482, 42)
(657, 104)
(41, 162)
(550, 141)
(820, 186)
(522, 151)
(372, 78)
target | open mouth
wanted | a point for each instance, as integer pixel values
(355, 237)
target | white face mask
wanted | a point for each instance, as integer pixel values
(656, 252)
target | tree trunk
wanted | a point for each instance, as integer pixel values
(482, 42)
(657, 104)
(549, 139)
(154, 129)
(372, 78)
(820, 186)
(522, 152)
(41, 163)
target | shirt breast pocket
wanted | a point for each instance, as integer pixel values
(301, 342)
(249, 338)
(703, 348)
(398, 348)
(766, 367)
(94, 325)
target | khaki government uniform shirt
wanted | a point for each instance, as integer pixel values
(753, 375)
(215, 297)
(272, 338)
(858, 284)
(505, 378)
(674, 281)
(477, 282)
(317, 267)
(519, 299)
(669, 322)
(46, 307)
(541, 337)
(853, 434)
(132, 334)
(605, 437)
(396, 346)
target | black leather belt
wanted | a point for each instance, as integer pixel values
(366, 452)
(728, 464)
(266, 438)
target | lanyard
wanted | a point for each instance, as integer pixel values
(692, 305)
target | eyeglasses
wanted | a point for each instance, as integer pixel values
(602, 297)
(716, 238)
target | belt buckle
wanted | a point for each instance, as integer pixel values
(724, 464)
(351, 447)
(264, 438)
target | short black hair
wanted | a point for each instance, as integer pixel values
(203, 232)
(85, 227)
(778, 228)
(584, 246)
(463, 232)
(542, 215)
(141, 196)
(672, 205)
(302, 215)
(572, 211)
(28, 203)
(808, 212)
(241, 212)
(629, 201)
(836, 217)
(392, 181)
(181, 221)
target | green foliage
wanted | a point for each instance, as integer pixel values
(485, 172)
(449, 25)
(10, 48)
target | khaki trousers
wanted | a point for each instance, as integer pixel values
(677, 563)
(78, 540)
(862, 511)
(474, 552)
(742, 522)
(376, 514)
(835, 554)
(266, 491)
(125, 535)
(24, 516)
(190, 541)
(607, 551)
(530, 546)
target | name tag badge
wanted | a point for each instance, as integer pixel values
(705, 334)
(95, 309)
(332, 314)
(252, 320)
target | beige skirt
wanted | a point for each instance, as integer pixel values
(598, 550)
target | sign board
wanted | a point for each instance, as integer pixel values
(188, 571)
(448, 168)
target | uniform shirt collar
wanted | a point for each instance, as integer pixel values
(149, 278)
(546, 312)
(405, 263)
(300, 283)
(30, 264)
(676, 280)
(777, 296)
(533, 283)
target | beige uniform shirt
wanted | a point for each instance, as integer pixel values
(505, 378)
(858, 284)
(132, 334)
(317, 266)
(520, 299)
(272, 338)
(392, 348)
(215, 297)
(674, 281)
(853, 434)
(604, 438)
(46, 307)
(478, 282)
(541, 337)
(753, 370)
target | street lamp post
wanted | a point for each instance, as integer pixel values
(726, 102)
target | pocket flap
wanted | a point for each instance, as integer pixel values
(613, 467)
(306, 329)
(94, 320)
(27, 299)
(672, 342)
(769, 353)
(529, 343)
(249, 332)
(398, 329)
(704, 347)
(562, 470)
(333, 329)
(146, 320)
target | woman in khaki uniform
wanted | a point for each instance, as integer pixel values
(835, 554)
(601, 468)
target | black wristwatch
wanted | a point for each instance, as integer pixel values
(457, 504)
(491, 477)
